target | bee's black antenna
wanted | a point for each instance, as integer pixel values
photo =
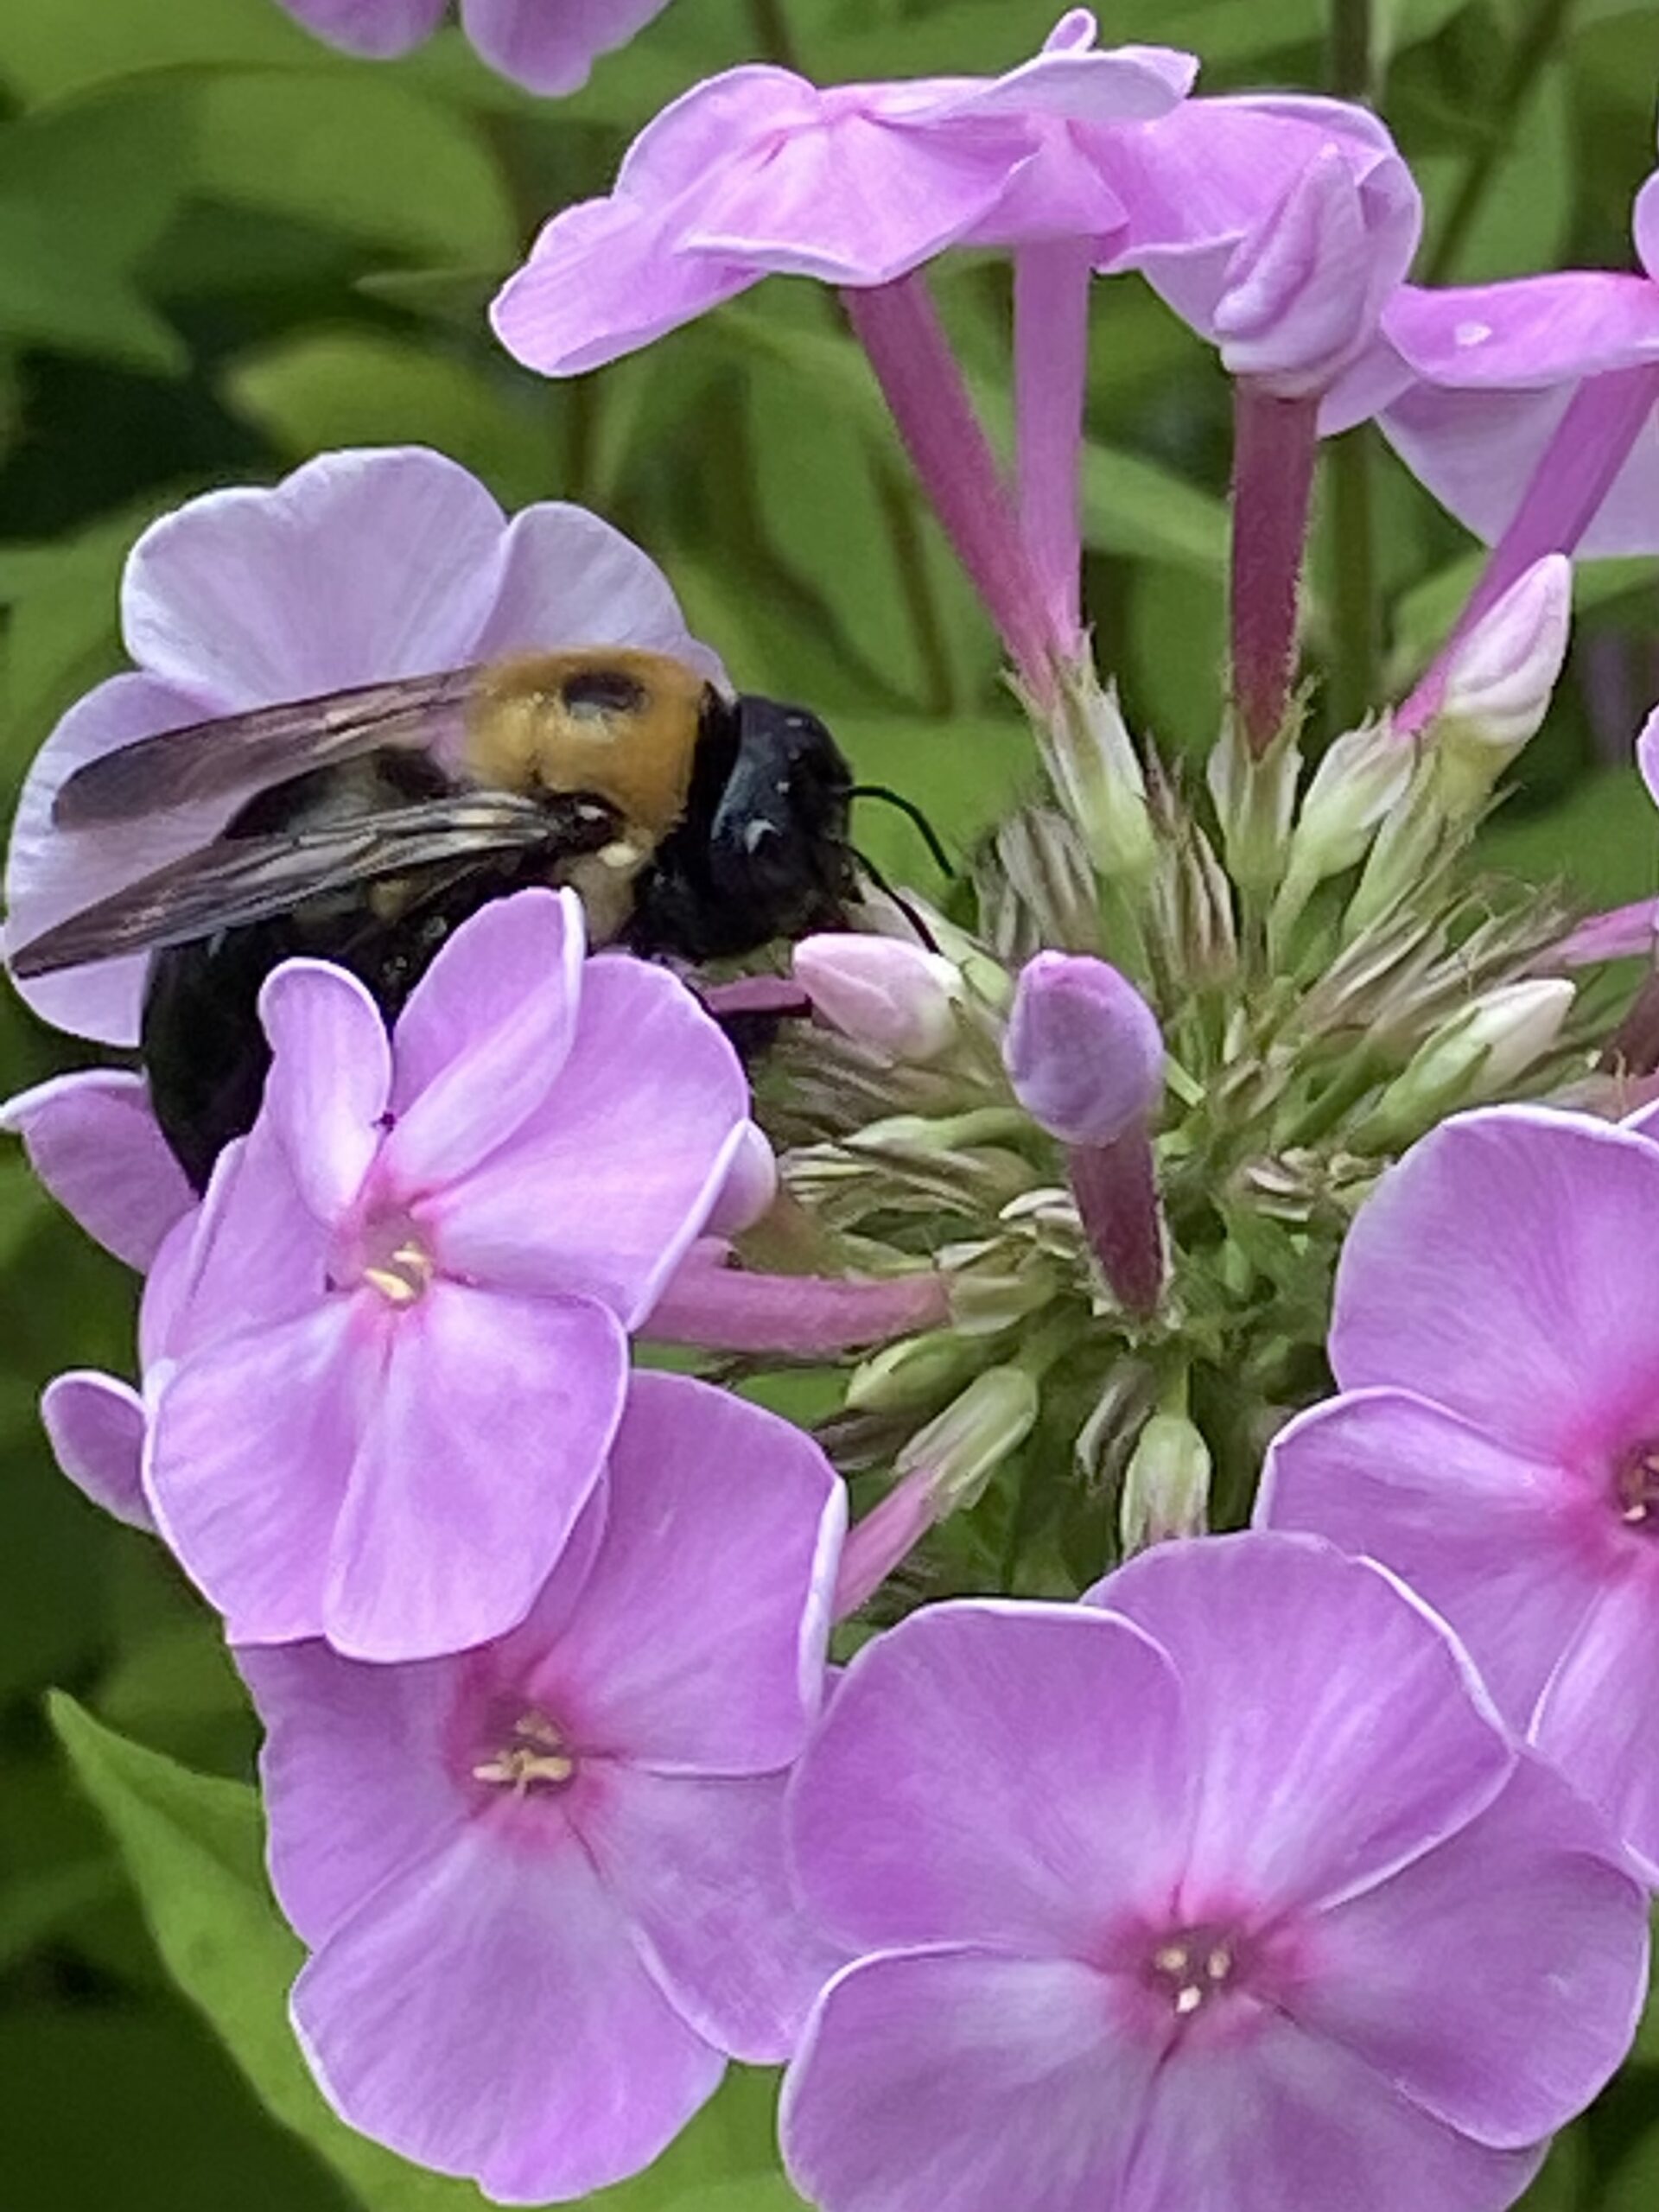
(903, 904)
(907, 806)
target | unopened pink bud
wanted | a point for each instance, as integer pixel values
(1083, 1050)
(1500, 678)
(881, 991)
(751, 1185)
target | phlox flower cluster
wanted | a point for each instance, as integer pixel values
(1298, 1864)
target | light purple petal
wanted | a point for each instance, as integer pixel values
(698, 1866)
(51, 874)
(602, 1190)
(355, 1772)
(95, 1144)
(1647, 754)
(329, 1081)
(377, 28)
(484, 1036)
(1324, 1760)
(1300, 294)
(750, 1187)
(603, 278)
(567, 578)
(361, 566)
(697, 1642)
(1595, 1720)
(1509, 1550)
(551, 45)
(1269, 2117)
(257, 1254)
(249, 1453)
(95, 1425)
(478, 1443)
(1538, 1951)
(991, 1772)
(1532, 333)
(1069, 78)
(962, 2080)
(486, 2014)
(1491, 1271)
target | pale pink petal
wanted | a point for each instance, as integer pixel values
(376, 28)
(329, 1081)
(567, 578)
(355, 1772)
(95, 1425)
(255, 1256)
(1647, 754)
(1310, 1785)
(1595, 1719)
(750, 1188)
(486, 2014)
(95, 1144)
(460, 1502)
(1013, 1773)
(1490, 1271)
(697, 1864)
(361, 566)
(249, 1451)
(1268, 2117)
(1531, 333)
(1507, 1548)
(602, 1190)
(962, 2080)
(1540, 1952)
(1126, 84)
(724, 1526)
(484, 1036)
(51, 873)
(551, 45)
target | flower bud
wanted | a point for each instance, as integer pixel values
(1499, 684)
(1167, 1487)
(1083, 1051)
(964, 1446)
(886, 1536)
(1363, 775)
(903, 1378)
(751, 1185)
(1255, 796)
(1095, 770)
(880, 991)
(1476, 1055)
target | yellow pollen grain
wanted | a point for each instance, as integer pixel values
(1171, 1959)
(519, 1767)
(405, 1277)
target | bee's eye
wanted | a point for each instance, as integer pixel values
(602, 691)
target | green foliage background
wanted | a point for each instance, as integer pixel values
(223, 248)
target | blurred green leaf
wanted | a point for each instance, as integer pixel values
(1601, 839)
(62, 46)
(193, 1847)
(358, 387)
(374, 160)
(1526, 209)
(1563, 2184)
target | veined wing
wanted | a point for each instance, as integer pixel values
(237, 881)
(233, 754)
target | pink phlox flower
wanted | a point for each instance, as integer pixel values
(1278, 227)
(542, 1882)
(359, 566)
(760, 172)
(1534, 392)
(1496, 1442)
(402, 1350)
(548, 46)
(94, 1143)
(1234, 1891)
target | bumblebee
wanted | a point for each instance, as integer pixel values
(380, 818)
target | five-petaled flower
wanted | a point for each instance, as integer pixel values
(543, 1881)
(401, 1347)
(1496, 1442)
(1233, 1892)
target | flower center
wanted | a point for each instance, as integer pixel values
(1637, 1487)
(533, 1757)
(1190, 1967)
(397, 1263)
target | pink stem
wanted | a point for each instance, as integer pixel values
(1116, 1186)
(1050, 356)
(1618, 934)
(900, 331)
(1274, 442)
(754, 995)
(728, 1309)
(1563, 497)
(886, 1536)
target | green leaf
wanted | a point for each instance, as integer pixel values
(1562, 2185)
(193, 1847)
(326, 388)
(370, 159)
(1526, 210)
(965, 772)
(49, 51)
(1601, 838)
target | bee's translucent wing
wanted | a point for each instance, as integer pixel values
(237, 881)
(233, 754)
